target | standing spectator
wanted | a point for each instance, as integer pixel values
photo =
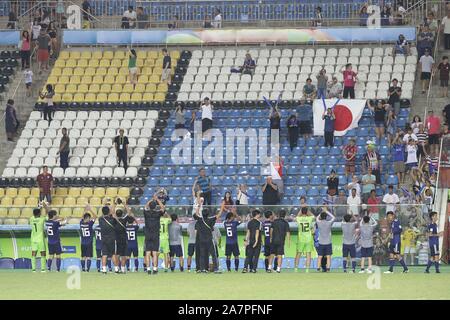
(309, 90)
(207, 24)
(353, 202)
(275, 119)
(242, 195)
(53, 48)
(368, 184)
(322, 81)
(35, 29)
(349, 81)
(415, 124)
(433, 124)
(217, 19)
(207, 117)
(411, 155)
(332, 183)
(203, 183)
(167, 67)
(292, 125)
(426, 65)
(42, 43)
(394, 93)
(48, 103)
(444, 69)
(121, 144)
(385, 15)
(141, 19)
(350, 151)
(379, 111)
(363, 16)
(317, 22)
(11, 121)
(304, 116)
(398, 157)
(391, 199)
(446, 113)
(129, 18)
(373, 204)
(64, 149)
(334, 88)
(401, 46)
(86, 13)
(354, 184)
(270, 193)
(432, 23)
(422, 140)
(12, 20)
(180, 116)
(174, 24)
(25, 49)
(226, 205)
(372, 159)
(409, 135)
(45, 184)
(446, 29)
(28, 75)
(329, 118)
(425, 40)
(132, 68)
(391, 126)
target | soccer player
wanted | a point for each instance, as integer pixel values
(191, 244)
(87, 233)
(124, 217)
(107, 223)
(433, 242)
(325, 247)
(253, 242)
(278, 233)
(132, 245)
(366, 235)
(164, 246)
(54, 241)
(37, 223)
(175, 240)
(267, 224)
(153, 211)
(98, 246)
(349, 242)
(305, 241)
(395, 243)
(231, 244)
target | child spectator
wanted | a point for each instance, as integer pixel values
(28, 75)
(349, 152)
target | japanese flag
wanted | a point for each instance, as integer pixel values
(347, 112)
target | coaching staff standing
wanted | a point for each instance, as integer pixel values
(253, 242)
(108, 227)
(123, 217)
(153, 211)
(204, 239)
(121, 144)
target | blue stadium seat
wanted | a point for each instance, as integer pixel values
(322, 151)
(303, 180)
(315, 181)
(392, 179)
(317, 170)
(6, 263)
(308, 160)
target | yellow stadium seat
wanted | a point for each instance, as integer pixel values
(160, 97)
(158, 63)
(148, 96)
(78, 71)
(52, 79)
(97, 55)
(86, 79)
(151, 87)
(147, 70)
(33, 202)
(113, 71)
(78, 97)
(57, 97)
(73, 221)
(2, 192)
(89, 71)
(65, 212)
(58, 200)
(140, 63)
(140, 87)
(152, 54)
(105, 88)
(67, 72)
(125, 97)
(82, 201)
(95, 201)
(101, 71)
(19, 201)
(94, 88)
(9, 221)
(154, 79)
(143, 79)
(141, 54)
(102, 97)
(61, 191)
(111, 192)
(69, 201)
(162, 87)
(14, 212)
(121, 79)
(137, 97)
(90, 97)
(60, 63)
(63, 55)
(97, 79)
(75, 80)
(23, 192)
(128, 88)
(82, 63)
(124, 71)
(157, 71)
(3, 212)
(109, 79)
(71, 63)
(123, 192)
(34, 192)
(121, 55)
(86, 55)
(70, 88)
(63, 79)
(125, 63)
(22, 221)
(105, 63)
(116, 63)
(56, 72)
(83, 88)
(11, 192)
(60, 88)
(67, 97)
(175, 54)
(99, 192)
(109, 55)
(113, 97)
(74, 192)
(86, 192)
(78, 212)
(26, 213)
(93, 63)
(150, 63)
(117, 88)
(75, 54)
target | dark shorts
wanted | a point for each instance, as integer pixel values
(86, 250)
(348, 249)
(366, 252)
(349, 92)
(121, 248)
(379, 124)
(394, 247)
(232, 249)
(152, 245)
(191, 249)
(108, 247)
(267, 250)
(377, 175)
(175, 251)
(278, 249)
(325, 250)
(54, 248)
(304, 127)
(28, 84)
(132, 251)
(425, 76)
(350, 167)
(434, 249)
(409, 166)
(433, 139)
(206, 124)
(444, 83)
(99, 253)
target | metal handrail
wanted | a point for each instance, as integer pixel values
(430, 85)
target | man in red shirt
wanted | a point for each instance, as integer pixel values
(433, 124)
(45, 183)
(373, 205)
(349, 153)
(349, 81)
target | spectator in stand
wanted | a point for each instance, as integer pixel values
(353, 202)
(11, 121)
(446, 28)
(385, 16)
(363, 16)
(426, 65)
(349, 81)
(142, 21)
(129, 18)
(341, 204)
(415, 124)
(329, 118)
(121, 145)
(207, 118)
(334, 89)
(401, 46)
(86, 13)
(248, 67)
(322, 81)
(398, 157)
(350, 151)
(175, 24)
(25, 49)
(394, 94)
(242, 195)
(217, 19)
(35, 28)
(64, 150)
(433, 124)
(372, 159)
(354, 184)
(409, 135)
(368, 182)
(28, 76)
(12, 20)
(43, 42)
(207, 24)
(317, 21)
(379, 111)
(425, 40)
(391, 199)
(373, 205)
(309, 90)
(275, 119)
(167, 67)
(304, 116)
(422, 140)
(411, 155)
(293, 132)
(203, 183)
(226, 205)
(48, 104)
(446, 114)
(444, 70)
(391, 126)
(180, 117)
(432, 23)
(132, 68)
(53, 48)
(45, 184)
(332, 183)
(400, 14)
(270, 193)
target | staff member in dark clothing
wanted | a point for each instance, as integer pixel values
(48, 106)
(278, 232)
(64, 149)
(123, 218)
(107, 224)
(270, 193)
(329, 118)
(121, 144)
(293, 125)
(204, 240)
(11, 122)
(253, 242)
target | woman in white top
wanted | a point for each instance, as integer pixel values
(197, 207)
(416, 122)
(411, 155)
(242, 195)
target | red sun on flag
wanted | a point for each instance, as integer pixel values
(344, 117)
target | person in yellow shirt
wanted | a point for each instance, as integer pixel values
(409, 241)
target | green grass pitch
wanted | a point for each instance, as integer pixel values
(235, 286)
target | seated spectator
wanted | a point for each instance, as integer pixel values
(309, 90)
(363, 16)
(385, 16)
(394, 94)
(248, 67)
(401, 46)
(322, 80)
(129, 18)
(368, 184)
(174, 24)
(207, 24)
(142, 18)
(444, 70)
(335, 89)
(293, 131)
(304, 115)
(425, 40)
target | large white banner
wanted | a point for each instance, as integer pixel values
(347, 112)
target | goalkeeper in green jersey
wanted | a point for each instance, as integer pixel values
(305, 242)
(164, 247)
(37, 223)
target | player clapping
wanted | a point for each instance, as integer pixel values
(325, 247)
(433, 242)
(87, 233)
(52, 227)
(305, 242)
(395, 244)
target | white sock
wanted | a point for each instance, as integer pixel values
(278, 269)
(116, 268)
(155, 268)
(103, 269)
(123, 269)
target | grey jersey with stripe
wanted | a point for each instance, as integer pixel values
(366, 230)
(348, 232)
(324, 227)
(191, 231)
(175, 235)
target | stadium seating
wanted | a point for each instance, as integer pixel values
(284, 71)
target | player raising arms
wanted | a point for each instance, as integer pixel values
(107, 223)
(253, 242)
(124, 217)
(433, 242)
(54, 241)
(325, 247)
(153, 211)
(395, 244)
(164, 246)
(37, 223)
(231, 244)
(349, 242)
(366, 233)
(175, 241)
(132, 244)
(98, 246)
(87, 234)
(305, 241)
(268, 254)
(278, 233)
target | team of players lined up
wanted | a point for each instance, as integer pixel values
(116, 239)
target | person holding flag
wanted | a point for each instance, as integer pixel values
(329, 118)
